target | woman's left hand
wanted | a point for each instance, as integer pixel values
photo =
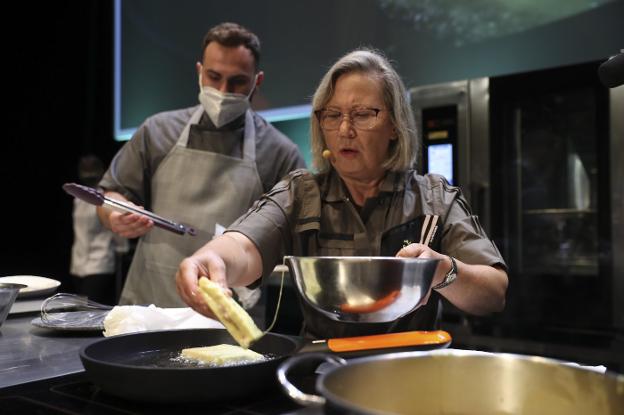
(478, 289)
(423, 251)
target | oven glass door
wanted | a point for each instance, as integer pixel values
(549, 195)
(554, 138)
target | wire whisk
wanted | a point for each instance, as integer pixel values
(71, 310)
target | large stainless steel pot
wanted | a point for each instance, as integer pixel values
(458, 382)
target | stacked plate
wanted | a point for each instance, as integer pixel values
(35, 286)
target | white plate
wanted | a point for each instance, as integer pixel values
(36, 286)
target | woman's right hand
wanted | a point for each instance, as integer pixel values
(229, 259)
(204, 263)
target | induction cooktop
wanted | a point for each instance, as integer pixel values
(74, 394)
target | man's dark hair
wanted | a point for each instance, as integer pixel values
(233, 35)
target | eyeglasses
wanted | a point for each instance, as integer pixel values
(361, 118)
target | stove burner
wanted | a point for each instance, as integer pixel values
(73, 394)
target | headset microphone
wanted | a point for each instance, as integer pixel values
(326, 154)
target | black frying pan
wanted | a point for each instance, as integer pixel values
(143, 366)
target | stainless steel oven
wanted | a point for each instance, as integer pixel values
(539, 156)
(455, 115)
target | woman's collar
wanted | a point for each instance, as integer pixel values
(336, 190)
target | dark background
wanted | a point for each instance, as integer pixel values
(58, 75)
(429, 42)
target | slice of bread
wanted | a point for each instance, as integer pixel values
(235, 319)
(222, 354)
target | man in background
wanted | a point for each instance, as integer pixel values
(96, 251)
(203, 166)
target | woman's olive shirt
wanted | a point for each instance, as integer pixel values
(307, 214)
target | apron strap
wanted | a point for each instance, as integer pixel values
(184, 136)
(249, 140)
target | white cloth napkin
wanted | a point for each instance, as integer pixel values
(133, 318)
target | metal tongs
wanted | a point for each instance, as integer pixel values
(96, 197)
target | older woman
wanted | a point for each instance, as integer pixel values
(364, 200)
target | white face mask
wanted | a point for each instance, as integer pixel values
(223, 107)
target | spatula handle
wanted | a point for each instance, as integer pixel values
(380, 341)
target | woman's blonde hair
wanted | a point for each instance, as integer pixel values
(403, 150)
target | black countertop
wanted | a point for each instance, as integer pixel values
(29, 354)
(41, 372)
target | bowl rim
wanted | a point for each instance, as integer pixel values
(12, 285)
(364, 258)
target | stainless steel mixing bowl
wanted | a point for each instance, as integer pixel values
(362, 289)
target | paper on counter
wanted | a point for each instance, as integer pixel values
(133, 318)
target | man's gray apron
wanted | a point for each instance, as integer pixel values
(199, 188)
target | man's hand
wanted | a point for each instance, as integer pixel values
(127, 225)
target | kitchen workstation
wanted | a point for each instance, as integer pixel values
(314, 207)
(73, 355)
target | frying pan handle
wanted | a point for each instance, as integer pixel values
(309, 360)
